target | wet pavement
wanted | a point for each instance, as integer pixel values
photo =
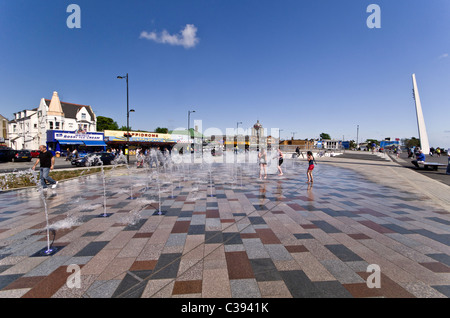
(217, 231)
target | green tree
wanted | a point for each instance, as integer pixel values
(411, 142)
(325, 136)
(372, 141)
(160, 130)
(106, 123)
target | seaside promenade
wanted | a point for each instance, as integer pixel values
(224, 233)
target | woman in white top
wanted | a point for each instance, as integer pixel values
(262, 157)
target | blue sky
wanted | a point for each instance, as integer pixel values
(302, 66)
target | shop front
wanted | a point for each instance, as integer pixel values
(117, 140)
(61, 142)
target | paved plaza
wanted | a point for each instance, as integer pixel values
(224, 233)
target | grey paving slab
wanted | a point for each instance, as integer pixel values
(278, 237)
(244, 288)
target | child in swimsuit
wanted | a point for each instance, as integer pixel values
(280, 162)
(310, 159)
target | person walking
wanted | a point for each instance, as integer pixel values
(262, 157)
(47, 162)
(311, 161)
(448, 166)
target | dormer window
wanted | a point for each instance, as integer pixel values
(83, 116)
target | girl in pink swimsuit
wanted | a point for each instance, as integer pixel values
(311, 160)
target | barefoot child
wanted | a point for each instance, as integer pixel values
(280, 161)
(311, 161)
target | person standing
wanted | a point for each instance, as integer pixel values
(311, 160)
(448, 166)
(280, 162)
(47, 162)
(262, 157)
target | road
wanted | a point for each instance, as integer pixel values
(439, 175)
(60, 163)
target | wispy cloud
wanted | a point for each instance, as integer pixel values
(443, 56)
(186, 38)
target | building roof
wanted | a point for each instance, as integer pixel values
(295, 142)
(70, 110)
(193, 133)
(55, 108)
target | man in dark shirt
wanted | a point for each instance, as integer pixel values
(47, 163)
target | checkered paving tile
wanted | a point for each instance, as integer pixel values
(222, 232)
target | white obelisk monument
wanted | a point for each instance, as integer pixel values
(423, 136)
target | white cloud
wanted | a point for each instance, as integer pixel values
(187, 37)
(443, 56)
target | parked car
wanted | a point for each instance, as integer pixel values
(22, 155)
(6, 154)
(93, 159)
(34, 153)
(81, 154)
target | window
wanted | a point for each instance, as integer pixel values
(50, 125)
(57, 125)
(83, 116)
(35, 126)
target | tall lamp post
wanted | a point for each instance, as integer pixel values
(237, 133)
(189, 126)
(293, 135)
(257, 127)
(357, 137)
(128, 118)
(237, 126)
(279, 136)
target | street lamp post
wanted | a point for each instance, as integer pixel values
(237, 126)
(189, 126)
(257, 127)
(237, 133)
(279, 136)
(357, 137)
(128, 118)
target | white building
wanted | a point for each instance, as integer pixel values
(29, 128)
(328, 144)
(3, 130)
